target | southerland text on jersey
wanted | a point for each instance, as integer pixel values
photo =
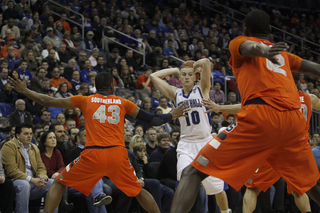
(192, 103)
(105, 101)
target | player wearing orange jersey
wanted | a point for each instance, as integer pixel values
(269, 114)
(105, 153)
(266, 176)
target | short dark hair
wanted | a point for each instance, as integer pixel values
(175, 130)
(103, 81)
(139, 147)
(43, 138)
(36, 126)
(20, 127)
(257, 22)
(53, 126)
(230, 115)
(22, 61)
(46, 110)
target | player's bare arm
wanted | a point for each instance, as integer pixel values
(315, 102)
(255, 49)
(21, 87)
(310, 68)
(213, 107)
(163, 86)
(159, 119)
(205, 70)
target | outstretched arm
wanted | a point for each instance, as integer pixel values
(44, 100)
(315, 102)
(163, 86)
(213, 107)
(310, 68)
(205, 74)
(159, 119)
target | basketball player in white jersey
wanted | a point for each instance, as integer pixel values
(266, 176)
(196, 126)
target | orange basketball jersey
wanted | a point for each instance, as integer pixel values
(258, 77)
(104, 118)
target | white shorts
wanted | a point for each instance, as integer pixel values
(186, 153)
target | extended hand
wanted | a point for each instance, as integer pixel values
(179, 111)
(275, 50)
(18, 85)
(213, 107)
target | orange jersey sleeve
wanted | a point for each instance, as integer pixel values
(130, 107)
(258, 77)
(79, 101)
(295, 62)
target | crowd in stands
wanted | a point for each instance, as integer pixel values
(48, 52)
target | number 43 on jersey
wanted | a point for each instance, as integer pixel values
(101, 114)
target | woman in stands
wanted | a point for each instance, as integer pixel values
(126, 77)
(63, 91)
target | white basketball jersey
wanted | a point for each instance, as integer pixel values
(196, 127)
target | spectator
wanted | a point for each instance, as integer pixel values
(232, 99)
(64, 54)
(163, 105)
(84, 74)
(114, 58)
(126, 40)
(7, 99)
(72, 66)
(144, 81)
(216, 94)
(56, 80)
(129, 58)
(82, 59)
(63, 21)
(24, 72)
(216, 125)
(15, 31)
(10, 43)
(72, 142)
(94, 56)
(230, 119)
(155, 99)
(35, 35)
(170, 50)
(13, 61)
(175, 81)
(3, 77)
(49, 46)
(89, 44)
(75, 81)
(70, 123)
(153, 39)
(52, 61)
(34, 48)
(101, 66)
(67, 40)
(32, 63)
(27, 170)
(117, 81)
(20, 115)
(63, 90)
(127, 138)
(126, 78)
(59, 131)
(152, 140)
(76, 36)
(163, 146)
(52, 37)
(12, 130)
(10, 13)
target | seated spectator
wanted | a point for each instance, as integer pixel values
(170, 50)
(155, 99)
(127, 78)
(44, 119)
(70, 123)
(55, 81)
(64, 54)
(163, 105)
(46, 86)
(32, 63)
(92, 84)
(84, 74)
(11, 13)
(84, 90)
(216, 94)
(3, 77)
(67, 40)
(24, 73)
(129, 58)
(19, 7)
(152, 140)
(72, 66)
(29, 183)
(63, 91)
(232, 99)
(216, 125)
(175, 81)
(45, 52)
(163, 146)
(35, 35)
(126, 40)
(101, 66)
(89, 44)
(127, 138)
(35, 83)
(144, 81)
(20, 115)
(15, 31)
(52, 37)
(10, 43)
(230, 119)
(117, 81)
(76, 36)
(75, 81)
(59, 131)
(52, 61)
(134, 141)
(12, 130)
(87, 23)
(64, 22)
(13, 60)
(82, 59)
(153, 39)
(94, 56)
(114, 58)
(72, 142)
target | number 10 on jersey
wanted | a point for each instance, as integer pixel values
(195, 118)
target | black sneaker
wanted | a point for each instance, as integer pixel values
(102, 200)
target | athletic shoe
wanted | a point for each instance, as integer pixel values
(102, 200)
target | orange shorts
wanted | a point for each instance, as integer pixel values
(261, 133)
(83, 173)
